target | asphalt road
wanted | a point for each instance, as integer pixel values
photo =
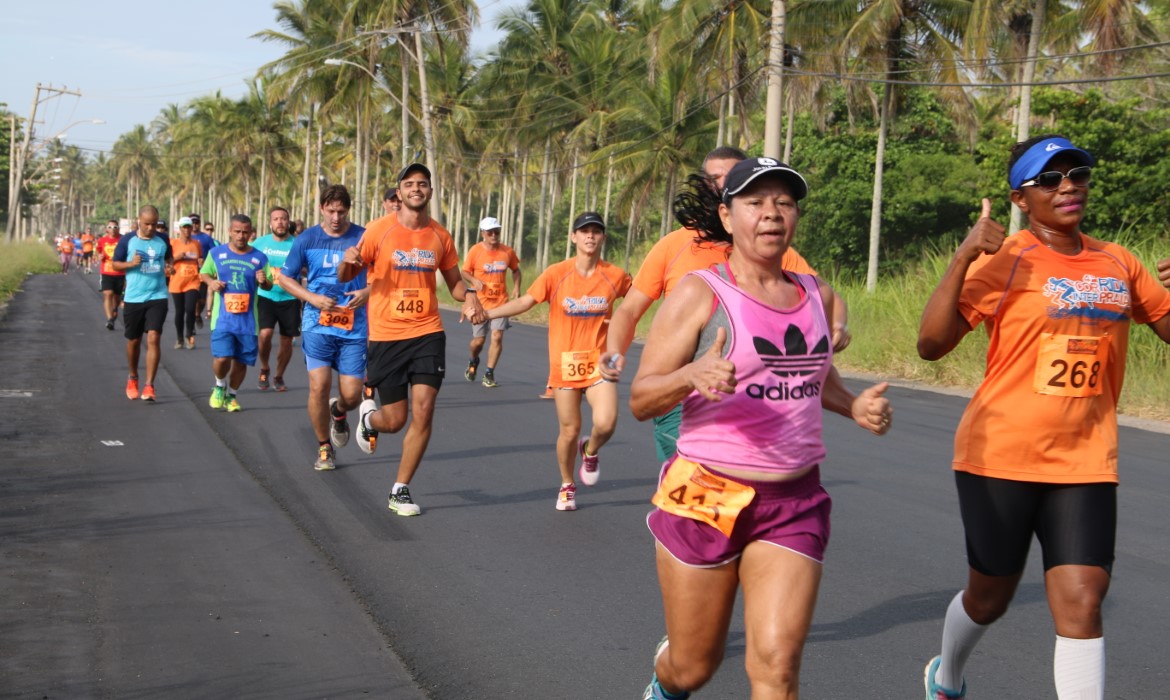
(169, 550)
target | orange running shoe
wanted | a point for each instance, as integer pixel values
(132, 388)
(148, 393)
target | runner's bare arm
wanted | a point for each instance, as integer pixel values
(294, 288)
(669, 371)
(351, 264)
(513, 308)
(942, 326)
(621, 332)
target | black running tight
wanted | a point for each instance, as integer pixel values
(185, 312)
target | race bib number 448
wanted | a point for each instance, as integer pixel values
(1071, 365)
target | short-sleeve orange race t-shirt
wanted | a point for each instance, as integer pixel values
(491, 267)
(678, 252)
(186, 276)
(1059, 330)
(579, 308)
(403, 265)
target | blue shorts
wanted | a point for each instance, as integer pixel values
(238, 346)
(346, 355)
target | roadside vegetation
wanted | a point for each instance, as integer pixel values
(18, 260)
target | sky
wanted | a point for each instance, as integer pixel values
(131, 58)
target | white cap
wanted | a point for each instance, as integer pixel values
(489, 223)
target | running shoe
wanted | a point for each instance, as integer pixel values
(191, 343)
(148, 393)
(263, 382)
(368, 438)
(654, 691)
(132, 388)
(232, 405)
(198, 320)
(278, 384)
(472, 366)
(403, 504)
(567, 498)
(489, 380)
(590, 467)
(109, 324)
(338, 427)
(218, 397)
(324, 461)
(178, 345)
(934, 691)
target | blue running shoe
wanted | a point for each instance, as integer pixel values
(934, 691)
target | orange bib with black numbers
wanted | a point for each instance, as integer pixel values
(1070, 365)
(689, 490)
(338, 317)
(580, 364)
(409, 303)
(236, 303)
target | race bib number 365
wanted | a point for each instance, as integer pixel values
(691, 491)
(1070, 365)
(578, 365)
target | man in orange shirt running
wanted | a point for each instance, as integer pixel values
(580, 293)
(487, 264)
(408, 347)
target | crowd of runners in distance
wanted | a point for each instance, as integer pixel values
(736, 374)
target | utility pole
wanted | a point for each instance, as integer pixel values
(20, 157)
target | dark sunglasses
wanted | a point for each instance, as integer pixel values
(1049, 181)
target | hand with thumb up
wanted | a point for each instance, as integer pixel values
(871, 409)
(710, 374)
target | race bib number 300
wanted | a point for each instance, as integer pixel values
(691, 491)
(578, 365)
(1071, 365)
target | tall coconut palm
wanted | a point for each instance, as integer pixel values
(895, 35)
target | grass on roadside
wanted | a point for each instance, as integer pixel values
(18, 260)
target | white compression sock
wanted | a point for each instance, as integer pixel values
(1078, 666)
(960, 635)
(221, 383)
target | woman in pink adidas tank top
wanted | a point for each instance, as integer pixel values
(746, 347)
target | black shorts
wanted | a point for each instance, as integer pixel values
(287, 313)
(1075, 523)
(393, 364)
(144, 317)
(114, 283)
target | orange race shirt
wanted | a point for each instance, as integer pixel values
(87, 243)
(65, 246)
(1046, 410)
(578, 318)
(491, 267)
(106, 245)
(677, 253)
(186, 277)
(402, 266)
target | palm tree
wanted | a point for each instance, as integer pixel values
(134, 159)
(896, 35)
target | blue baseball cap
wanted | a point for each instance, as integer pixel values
(1036, 158)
